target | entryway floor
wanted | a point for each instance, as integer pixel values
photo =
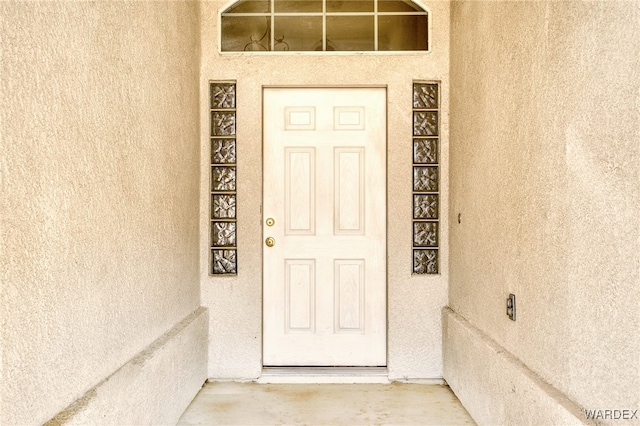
(231, 403)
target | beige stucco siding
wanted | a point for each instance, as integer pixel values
(99, 184)
(545, 165)
(414, 302)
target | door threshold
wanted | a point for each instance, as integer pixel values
(379, 375)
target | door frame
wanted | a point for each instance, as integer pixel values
(295, 374)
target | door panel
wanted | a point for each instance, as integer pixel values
(300, 190)
(300, 295)
(349, 294)
(349, 190)
(324, 187)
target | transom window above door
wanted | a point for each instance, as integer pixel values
(324, 25)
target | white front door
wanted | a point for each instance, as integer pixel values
(324, 227)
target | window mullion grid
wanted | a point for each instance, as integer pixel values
(268, 14)
(272, 43)
(375, 26)
(402, 13)
(324, 14)
(324, 25)
(350, 13)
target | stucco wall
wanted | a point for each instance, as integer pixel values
(545, 164)
(414, 302)
(99, 181)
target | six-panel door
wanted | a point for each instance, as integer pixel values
(324, 209)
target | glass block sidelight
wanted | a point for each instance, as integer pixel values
(223, 179)
(223, 151)
(425, 151)
(425, 96)
(223, 96)
(425, 179)
(426, 176)
(425, 261)
(223, 123)
(425, 234)
(425, 123)
(223, 206)
(224, 262)
(224, 234)
(425, 206)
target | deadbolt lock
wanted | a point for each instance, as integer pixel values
(270, 221)
(270, 242)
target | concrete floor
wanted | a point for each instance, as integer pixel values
(230, 403)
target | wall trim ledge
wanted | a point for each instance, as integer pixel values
(155, 386)
(496, 387)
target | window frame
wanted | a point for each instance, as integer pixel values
(426, 11)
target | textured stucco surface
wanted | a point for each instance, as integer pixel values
(152, 388)
(545, 165)
(414, 302)
(99, 183)
(479, 369)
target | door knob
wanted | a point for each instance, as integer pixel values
(270, 221)
(270, 242)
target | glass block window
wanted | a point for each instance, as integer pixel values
(426, 178)
(324, 25)
(223, 259)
